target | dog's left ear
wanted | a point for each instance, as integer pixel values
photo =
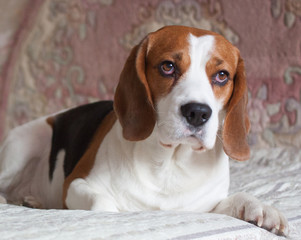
(133, 102)
(237, 124)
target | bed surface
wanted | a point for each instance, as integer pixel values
(274, 176)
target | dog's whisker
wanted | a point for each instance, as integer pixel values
(219, 137)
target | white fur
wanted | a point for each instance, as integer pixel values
(147, 176)
(193, 87)
(24, 166)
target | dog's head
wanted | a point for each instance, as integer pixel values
(191, 83)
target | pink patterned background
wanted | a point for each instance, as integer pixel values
(56, 54)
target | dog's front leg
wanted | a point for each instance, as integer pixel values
(250, 209)
(81, 195)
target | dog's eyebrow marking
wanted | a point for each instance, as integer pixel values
(178, 56)
(219, 62)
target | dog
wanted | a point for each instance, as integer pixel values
(179, 113)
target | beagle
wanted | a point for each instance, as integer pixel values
(179, 113)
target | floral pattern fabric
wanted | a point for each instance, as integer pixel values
(63, 53)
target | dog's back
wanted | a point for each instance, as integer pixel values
(36, 157)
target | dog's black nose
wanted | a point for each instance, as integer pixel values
(196, 114)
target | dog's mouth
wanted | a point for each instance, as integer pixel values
(195, 142)
(198, 149)
(166, 145)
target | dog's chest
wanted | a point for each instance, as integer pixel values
(145, 177)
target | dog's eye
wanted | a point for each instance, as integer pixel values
(221, 77)
(167, 68)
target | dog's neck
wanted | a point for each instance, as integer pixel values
(159, 177)
(162, 162)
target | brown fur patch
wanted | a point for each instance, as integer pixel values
(171, 44)
(133, 100)
(50, 121)
(236, 124)
(224, 57)
(86, 163)
(234, 96)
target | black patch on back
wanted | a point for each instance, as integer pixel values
(73, 131)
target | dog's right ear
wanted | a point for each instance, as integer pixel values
(133, 102)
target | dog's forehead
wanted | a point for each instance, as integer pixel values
(176, 40)
(197, 55)
(225, 51)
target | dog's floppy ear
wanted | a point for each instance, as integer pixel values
(236, 124)
(133, 102)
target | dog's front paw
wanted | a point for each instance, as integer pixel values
(250, 209)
